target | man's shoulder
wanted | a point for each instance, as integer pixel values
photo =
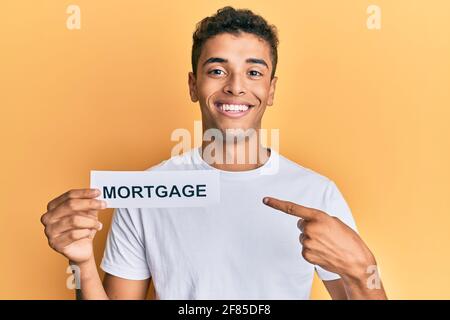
(294, 169)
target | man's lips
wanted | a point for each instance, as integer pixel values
(233, 109)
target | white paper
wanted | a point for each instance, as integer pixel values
(162, 189)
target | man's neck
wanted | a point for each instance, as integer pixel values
(242, 155)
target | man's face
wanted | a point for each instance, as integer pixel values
(233, 82)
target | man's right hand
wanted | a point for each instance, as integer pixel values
(71, 222)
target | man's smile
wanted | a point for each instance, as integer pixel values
(233, 109)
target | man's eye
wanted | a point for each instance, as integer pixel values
(255, 73)
(215, 71)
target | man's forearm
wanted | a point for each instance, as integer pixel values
(366, 286)
(91, 287)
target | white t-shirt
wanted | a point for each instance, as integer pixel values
(238, 249)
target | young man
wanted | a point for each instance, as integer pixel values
(250, 246)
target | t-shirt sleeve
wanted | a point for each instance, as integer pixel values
(335, 205)
(124, 254)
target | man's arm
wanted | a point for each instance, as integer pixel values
(331, 244)
(113, 288)
(340, 290)
(125, 289)
(336, 289)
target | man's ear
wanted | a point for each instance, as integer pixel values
(271, 97)
(192, 82)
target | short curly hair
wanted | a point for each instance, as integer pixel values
(230, 20)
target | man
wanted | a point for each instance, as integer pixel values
(250, 246)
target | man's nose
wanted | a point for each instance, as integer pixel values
(235, 86)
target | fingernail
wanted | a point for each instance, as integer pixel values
(103, 204)
(266, 200)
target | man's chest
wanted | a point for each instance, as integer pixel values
(224, 243)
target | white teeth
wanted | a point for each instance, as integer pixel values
(234, 107)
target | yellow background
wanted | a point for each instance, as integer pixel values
(367, 108)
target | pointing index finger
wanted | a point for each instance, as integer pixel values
(290, 208)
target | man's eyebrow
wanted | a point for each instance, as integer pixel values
(215, 59)
(258, 61)
(249, 60)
